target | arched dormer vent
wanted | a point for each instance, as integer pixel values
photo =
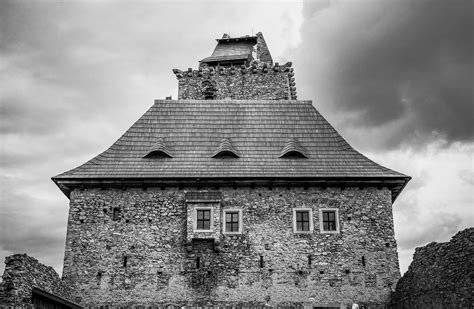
(226, 150)
(158, 150)
(293, 149)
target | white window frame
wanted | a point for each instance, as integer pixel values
(239, 211)
(321, 225)
(211, 225)
(310, 215)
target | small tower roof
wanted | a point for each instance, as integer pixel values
(238, 49)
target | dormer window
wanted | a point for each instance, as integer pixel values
(226, 150)
(158, 149)
(292, 149)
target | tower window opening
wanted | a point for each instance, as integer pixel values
(209, 90)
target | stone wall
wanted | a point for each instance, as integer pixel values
(263, 53)
(262, 82)
(129, 247)
(440, 275)
(21, 274)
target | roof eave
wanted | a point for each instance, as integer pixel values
(395, 183)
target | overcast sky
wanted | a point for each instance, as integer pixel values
(393, 77)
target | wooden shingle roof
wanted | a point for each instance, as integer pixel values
(225, 58)
(258, 129)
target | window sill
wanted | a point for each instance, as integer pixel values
(302, 232)
(203, 231)
(330, 232)
(231, 233)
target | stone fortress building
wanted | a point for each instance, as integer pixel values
(234, 194)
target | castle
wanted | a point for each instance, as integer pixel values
(234, 194)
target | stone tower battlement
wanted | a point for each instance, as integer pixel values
(246, 82)
(240, 68)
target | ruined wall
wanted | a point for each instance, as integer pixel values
(263, 82)
(440, 275)
(130, 247)
(263, 53)
(21, 274)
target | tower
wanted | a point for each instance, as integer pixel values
(235, 194)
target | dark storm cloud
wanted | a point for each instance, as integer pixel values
(404, 68)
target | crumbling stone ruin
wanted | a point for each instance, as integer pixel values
(236, 194)
(440, 275)
(27, 282)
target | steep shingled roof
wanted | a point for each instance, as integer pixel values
(259, 129)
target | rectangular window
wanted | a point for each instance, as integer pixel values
(303, 220)
(232, 221)
(203, 219)
(329, 220)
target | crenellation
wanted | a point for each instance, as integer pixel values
(259, 67)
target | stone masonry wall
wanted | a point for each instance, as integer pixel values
(129, 247)
(263, 53)
(263, 82)
(21, 274)
(440, 275)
